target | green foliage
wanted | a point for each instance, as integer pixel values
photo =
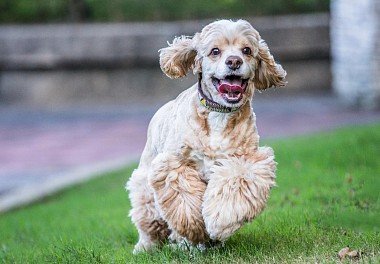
(327, 198)
(37, 11)
(27, 11)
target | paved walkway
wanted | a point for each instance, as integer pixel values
(43, 151)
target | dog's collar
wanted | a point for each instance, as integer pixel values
(210, 104)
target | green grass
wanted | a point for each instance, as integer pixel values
(327, 198)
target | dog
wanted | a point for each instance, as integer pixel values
(202, 174)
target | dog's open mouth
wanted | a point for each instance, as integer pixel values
(231, 88)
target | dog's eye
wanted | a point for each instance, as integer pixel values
(215, 51)
(247, 51)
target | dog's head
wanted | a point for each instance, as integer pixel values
(231, 57)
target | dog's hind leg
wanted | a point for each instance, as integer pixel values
(178, 191)
(237, 191)
(152, 229)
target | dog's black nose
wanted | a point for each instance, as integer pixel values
(234, 62)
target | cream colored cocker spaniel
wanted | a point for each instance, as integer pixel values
(202, 174)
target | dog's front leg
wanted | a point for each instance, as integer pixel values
(237, 191)
(178, 192)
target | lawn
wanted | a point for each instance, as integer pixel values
(327, 198)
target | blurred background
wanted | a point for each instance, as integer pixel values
(80, 79)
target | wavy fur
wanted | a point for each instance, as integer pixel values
(202, 174)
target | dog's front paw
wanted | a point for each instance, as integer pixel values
(144, 246)
(178, 191)
(237, 191)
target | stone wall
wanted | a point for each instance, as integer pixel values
(355, 36)
(118, 63)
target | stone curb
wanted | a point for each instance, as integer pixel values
(31, 193)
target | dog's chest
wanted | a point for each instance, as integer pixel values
(217, 144)
(217, 123)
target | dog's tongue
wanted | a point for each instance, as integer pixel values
(232, 88)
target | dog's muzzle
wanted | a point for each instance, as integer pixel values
(231, 88)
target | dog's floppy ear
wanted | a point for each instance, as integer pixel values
(268, 73)
(177, 59)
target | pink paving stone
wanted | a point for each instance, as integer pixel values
(81, 143)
